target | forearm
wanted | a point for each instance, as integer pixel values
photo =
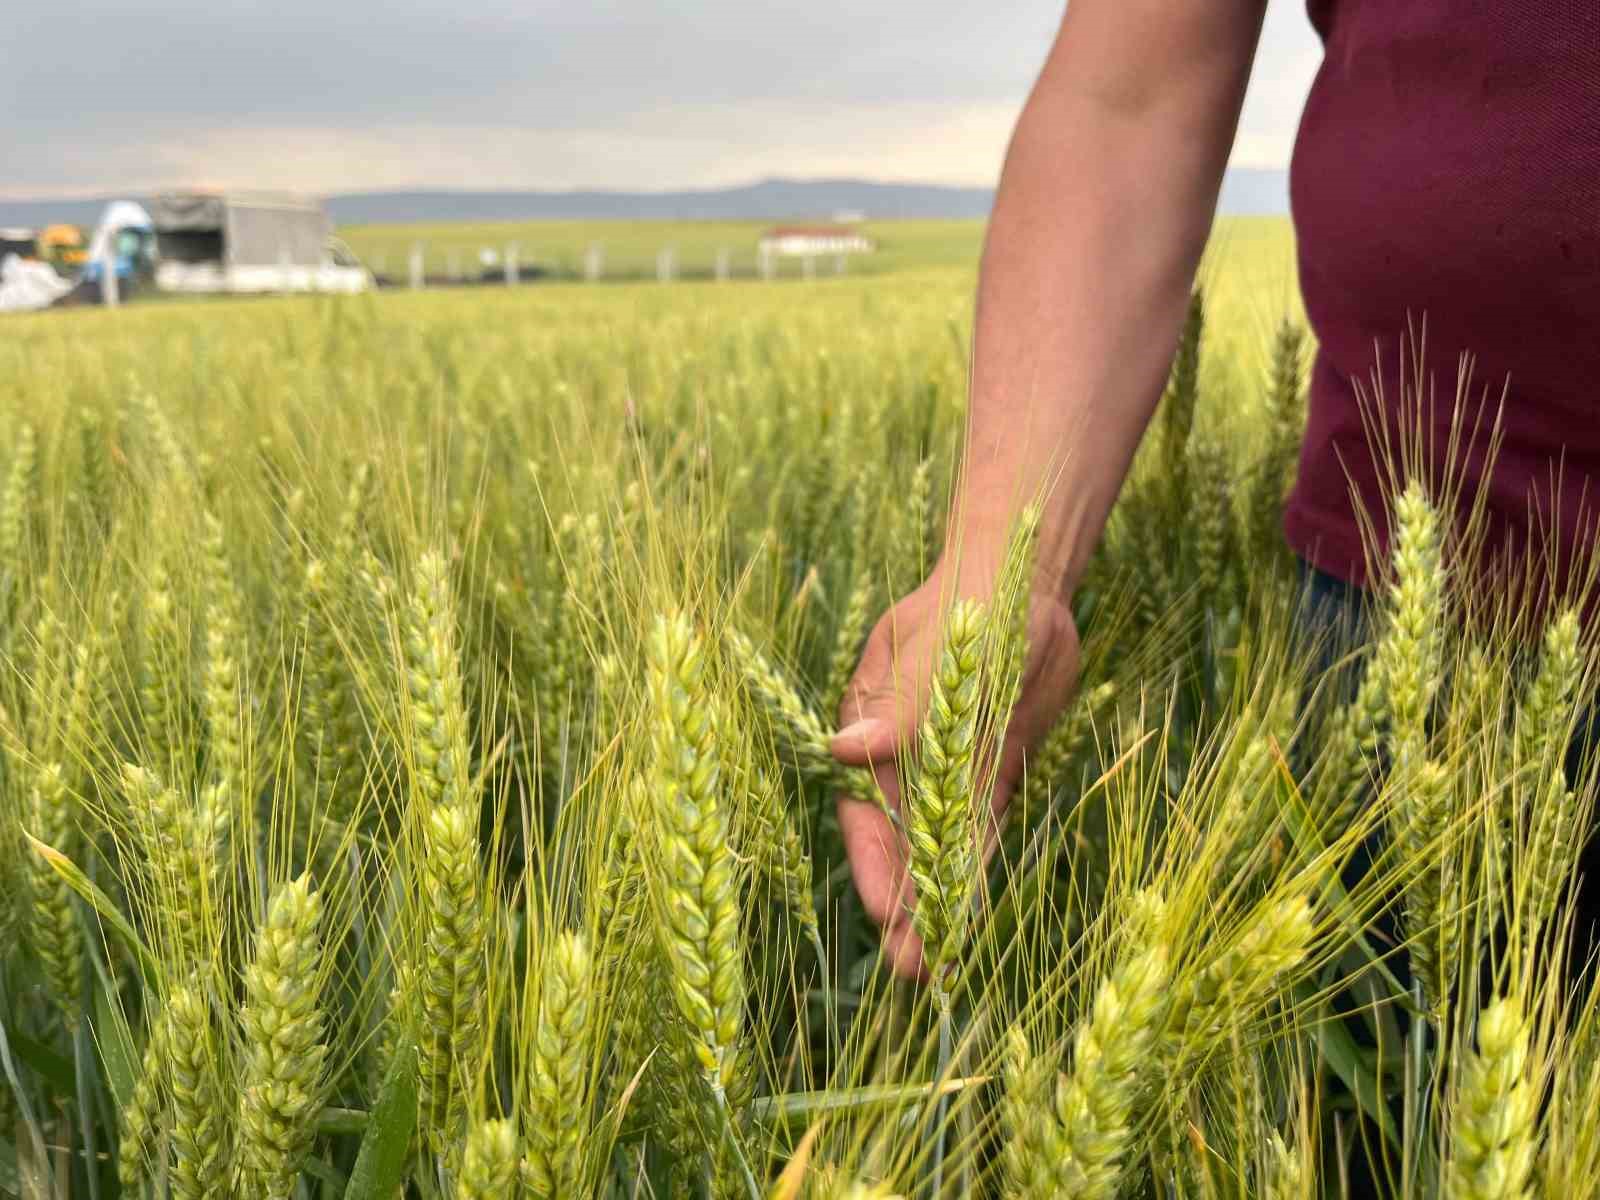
(1102, 214)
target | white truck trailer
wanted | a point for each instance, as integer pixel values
(249, 242)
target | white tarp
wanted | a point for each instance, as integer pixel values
(210, 278)
(26, 285)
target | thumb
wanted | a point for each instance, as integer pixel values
(877, 718)
(874, 737)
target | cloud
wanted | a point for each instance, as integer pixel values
(361, 94)
(1285, 64)
(697, 145)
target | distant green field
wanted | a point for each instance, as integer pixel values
(630, 247)
(1258, 251)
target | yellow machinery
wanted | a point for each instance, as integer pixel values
(63, 247)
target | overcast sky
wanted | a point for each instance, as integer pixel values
(340, 95)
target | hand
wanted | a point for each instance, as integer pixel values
(882, 713)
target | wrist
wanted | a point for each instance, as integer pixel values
(980, 526)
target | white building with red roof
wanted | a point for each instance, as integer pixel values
(806, 241)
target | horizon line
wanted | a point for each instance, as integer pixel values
(103, 194)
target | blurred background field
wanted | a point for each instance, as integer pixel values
(630, 248)
(920, 279)
(1259, 247)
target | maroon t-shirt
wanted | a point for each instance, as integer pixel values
(1447, 176)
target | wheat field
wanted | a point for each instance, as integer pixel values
(414, 718)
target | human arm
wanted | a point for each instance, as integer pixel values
(1103, 210)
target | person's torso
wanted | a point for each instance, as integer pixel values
(1447, 170)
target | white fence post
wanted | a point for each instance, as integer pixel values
(838, 264)
(594, 262)
(724, 260)
(418, 278)
(766, 262)
(110, 294)
(666, 264)
(513, 264)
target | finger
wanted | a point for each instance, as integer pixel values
(878, 867)
(867, 741)
(883, 703)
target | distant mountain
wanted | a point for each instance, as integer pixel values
(32, 214)
(1245, 192)
(769, 200)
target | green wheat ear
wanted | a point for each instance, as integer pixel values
(1285, 409)
(1014, 605)
(941, 824)
(489, 1163)
(697, 898)
(1096, 1102)
(453, 966)
(202, 1134)
(848, 638)
(183, 843)
(1409, 656)
(1212, 1006)
(142, 1114)
(18, 501)
(1211, 522)
(225, 704)
(451, 973)
(1422, 819)
(284, 1053)
(54, 931)
(802, 730)
(1493, 1140)
(1548, 709)
(1287, 1174)
(1183, 393)
(1032, 1149)
(557, 1117)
